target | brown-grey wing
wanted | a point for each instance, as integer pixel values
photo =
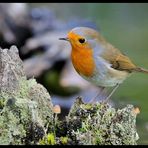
(122, 62)
(118, 60)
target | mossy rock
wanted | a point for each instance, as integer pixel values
(26, 107)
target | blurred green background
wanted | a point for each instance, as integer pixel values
(126, 27)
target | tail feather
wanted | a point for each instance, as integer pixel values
(139, 69)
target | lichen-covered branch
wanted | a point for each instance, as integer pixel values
(27, 115)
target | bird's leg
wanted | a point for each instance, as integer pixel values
(114, 89)
(99, 94)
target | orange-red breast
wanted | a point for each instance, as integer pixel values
(98, 61)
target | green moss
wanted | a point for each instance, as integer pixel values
(2, 103)
(49, 139)
(64, 140)
(86, 106)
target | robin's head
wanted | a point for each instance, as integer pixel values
(83, 42)
(82, 38)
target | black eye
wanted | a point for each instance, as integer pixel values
(82, 40)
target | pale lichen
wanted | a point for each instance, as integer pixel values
(25, 108)
(102, 124)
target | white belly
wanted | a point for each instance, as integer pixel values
(106, 76)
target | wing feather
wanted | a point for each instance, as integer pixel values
(118, 60)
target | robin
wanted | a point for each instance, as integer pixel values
(98, 61)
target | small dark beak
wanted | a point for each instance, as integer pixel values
(66, 39)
